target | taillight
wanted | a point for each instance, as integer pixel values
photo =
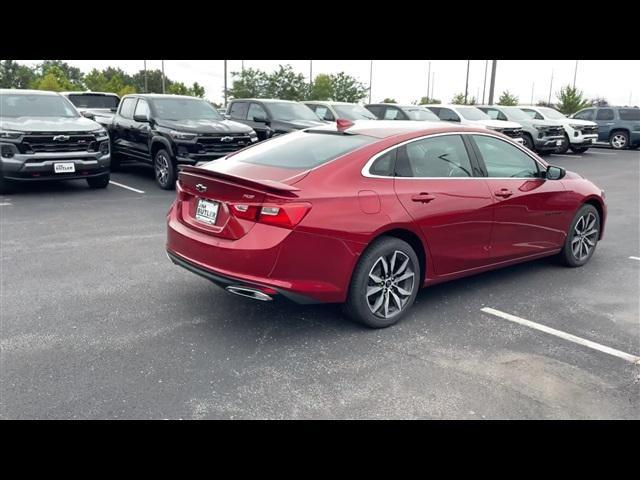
(286, 215)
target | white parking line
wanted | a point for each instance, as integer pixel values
(606, 153)
(6, 204)
(124, 186)
(563, 155)
(566, 336)
(634, 258)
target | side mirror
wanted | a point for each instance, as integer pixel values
(555, 173)
(260, 119)
(227, 116)
(88, 115)
(141, 118)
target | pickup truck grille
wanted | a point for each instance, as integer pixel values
(554, 132)
(58, 142)
(511, 132)
(589, 129)
(222, 143)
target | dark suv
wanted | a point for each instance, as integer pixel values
(167, 130)
(393, 111)
(43, 137)
(619, 126)
(272, 117)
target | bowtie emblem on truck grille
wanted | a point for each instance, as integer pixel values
(226, 139)
(61, 138)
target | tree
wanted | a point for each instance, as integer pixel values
(427, 101)
(570, 100)
(69, 76)
(507, 99)
(599, 102)
(322, 88)
(55, 79)
(472, 101)
(178, 88)
(14, 75)
(249, 83)
(389, 100)
(544, 103)
(285, 84)
(458, 99)
(154, 81)
(347, 89)
(197, 90)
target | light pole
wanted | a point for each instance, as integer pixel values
(575, 73)
(466, 85)
(162, 76)
(484, 85)
(370, 78)
(429, 82)
(550, 87)
(146, 88)
(532, 86)
(494, 65)
(433, 82)
(225, 84)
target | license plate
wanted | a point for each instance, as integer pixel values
(558, 143)
(64, 167)
(207, 211)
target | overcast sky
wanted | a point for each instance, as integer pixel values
(406, 80)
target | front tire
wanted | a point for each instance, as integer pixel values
(99, 182)
(385, 283)
(562, 149)
(579, 149)
(619, 140)
(528, 142)
(165, 170)
(582, 237)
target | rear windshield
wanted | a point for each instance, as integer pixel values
(629, 113)
(301, 150)
(25, 105)
(95, 101)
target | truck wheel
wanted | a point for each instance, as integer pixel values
(619, 140)
(5, 186)
(562, 149)
(579, 149)
(528, 142)
(99, 182)
(165, 170)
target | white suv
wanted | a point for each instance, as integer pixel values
(470, 115)
(581, 134)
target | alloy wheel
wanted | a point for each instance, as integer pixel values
(618, 141)
(585, 235)
(162, 169)
(390, 284)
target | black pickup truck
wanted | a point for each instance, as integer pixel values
(168, 130)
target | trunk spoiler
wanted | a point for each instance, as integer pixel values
(256, 184)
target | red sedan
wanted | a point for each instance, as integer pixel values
(366, 213)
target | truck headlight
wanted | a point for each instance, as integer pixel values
(182, 135)
(10, 134)
(100, 133)
(576, 127)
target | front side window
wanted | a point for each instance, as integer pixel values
(142, 108)
(472, 113)
(36, 105)
(127, 107)
(392, 113)
(532, 113)
(238, 110)
(584, 115)
(448, 115)
(494, 114)
(324, 113)
(375, 109)
(256, 111)
(444, 156)
(503, 160)
(605, 114)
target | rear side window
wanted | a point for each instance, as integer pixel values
(302, 150)
(629, 113)
(392, 113)
(256, 110)
(128, 105)
(384, 165)
(448, 115)
(238, 110)
(605, 114)
(324, 113)
(444, 156)
(375, 109)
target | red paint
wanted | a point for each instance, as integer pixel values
(333, 213)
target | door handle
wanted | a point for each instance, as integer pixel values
(503, 192)
(423, 197)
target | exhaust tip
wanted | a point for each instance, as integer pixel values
(249, 293)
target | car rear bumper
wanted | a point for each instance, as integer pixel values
(303, 267)
(41, 166)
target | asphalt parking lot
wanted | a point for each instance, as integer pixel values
(97, 323)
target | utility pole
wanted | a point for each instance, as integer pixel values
(242, 66)
(225, 84)
(550, 87)
(575, 73)
(310, 72)
(484, 85)
(162, 76)
(492, 85)
(370, 78)
(146, 88)
(433, 82)
(466, 85)
(429, 82)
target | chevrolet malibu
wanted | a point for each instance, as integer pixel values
(367, 213)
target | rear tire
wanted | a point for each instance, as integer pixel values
(562, 149)
(582, 237)
(5, 186)
(378, 299)
(99, 182)
(165, 170)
